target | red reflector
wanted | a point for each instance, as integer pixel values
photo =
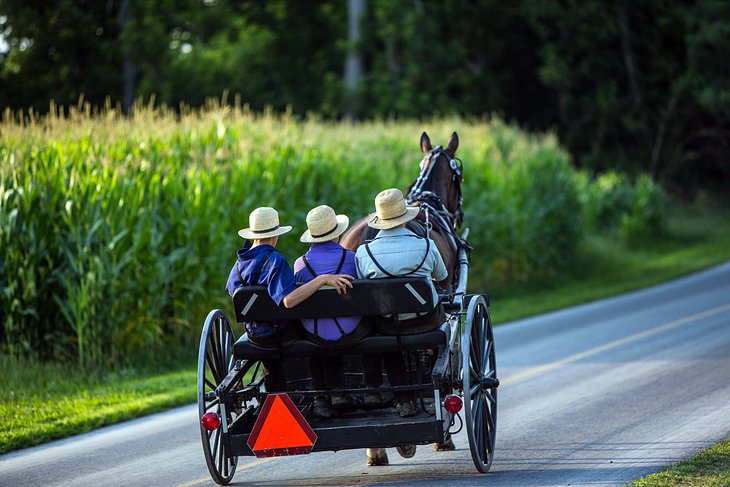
(210, 421)
(453, 404)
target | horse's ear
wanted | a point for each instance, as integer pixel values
(426, 146)
(453, 144)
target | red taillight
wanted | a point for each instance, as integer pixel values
(210, 421)
(453, 404)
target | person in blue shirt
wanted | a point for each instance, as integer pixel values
(259, 263)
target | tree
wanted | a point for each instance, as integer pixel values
(353, 61)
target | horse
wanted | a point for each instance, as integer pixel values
(437, 191)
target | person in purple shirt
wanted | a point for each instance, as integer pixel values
(326, 255)
(259, 263)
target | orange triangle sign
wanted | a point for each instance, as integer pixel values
(280, 429)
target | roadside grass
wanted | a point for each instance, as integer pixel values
(709, 468)
(42, 402)
(695, 238)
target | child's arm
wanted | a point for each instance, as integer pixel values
(339, 281)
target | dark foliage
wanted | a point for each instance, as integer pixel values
(633, 86)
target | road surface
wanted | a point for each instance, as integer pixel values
(598, 394)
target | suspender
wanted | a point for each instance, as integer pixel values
(377, 264)
(257, 273)
(314, 274)
(423, 261)
(254, 281)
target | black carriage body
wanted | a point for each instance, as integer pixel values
(374, 428)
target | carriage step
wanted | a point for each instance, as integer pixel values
(490, 382)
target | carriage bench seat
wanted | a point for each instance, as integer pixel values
(366, 298)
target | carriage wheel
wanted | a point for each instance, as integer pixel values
(479, 376)
(215, 359)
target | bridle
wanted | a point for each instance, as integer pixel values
(431, 200)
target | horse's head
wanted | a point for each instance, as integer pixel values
(441, 175)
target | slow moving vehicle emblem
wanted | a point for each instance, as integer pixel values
(281, 429)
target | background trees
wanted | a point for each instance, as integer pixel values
(636, 86)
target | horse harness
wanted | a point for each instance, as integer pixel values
(314, 274)
(431, 203)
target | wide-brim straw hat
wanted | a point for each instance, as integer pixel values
(323, 225)
(391, 210)
(263, 223)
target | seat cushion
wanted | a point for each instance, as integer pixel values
(244, 349)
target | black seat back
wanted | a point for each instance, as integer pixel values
(366, 298)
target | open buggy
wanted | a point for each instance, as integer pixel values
(449, 368)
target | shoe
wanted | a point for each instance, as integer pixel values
(406, 451)
(320, 409)
(377, 457)
(344, 401)
(406, 409)
(373, 399)
(447, 445)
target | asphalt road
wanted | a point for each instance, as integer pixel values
(599, 394)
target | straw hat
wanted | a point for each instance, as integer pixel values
(323, 225)
(263, 223)
(391, 210)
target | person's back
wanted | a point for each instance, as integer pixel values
(398, 252)
(262, 265)
(327, 258)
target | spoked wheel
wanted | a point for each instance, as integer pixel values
(479, 375)
(215, 359)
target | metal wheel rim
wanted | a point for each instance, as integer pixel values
(215, 359)
(480, 403)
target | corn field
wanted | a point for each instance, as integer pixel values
(117, 234)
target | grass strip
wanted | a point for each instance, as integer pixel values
(606, 266)
(43, 402)
(709, 468)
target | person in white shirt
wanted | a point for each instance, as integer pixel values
(398, 252)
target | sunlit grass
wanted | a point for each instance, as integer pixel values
(709, 468)
(42, 402)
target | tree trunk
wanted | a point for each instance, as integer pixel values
(353, 62)
(128, 74)
(623, 24)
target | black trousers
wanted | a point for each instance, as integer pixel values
(328, 372)
(395, 366)
(274, 375)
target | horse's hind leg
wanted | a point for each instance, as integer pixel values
(377, 456)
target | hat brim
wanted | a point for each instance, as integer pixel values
(248, 234)
(342, 223)
(375, 222)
